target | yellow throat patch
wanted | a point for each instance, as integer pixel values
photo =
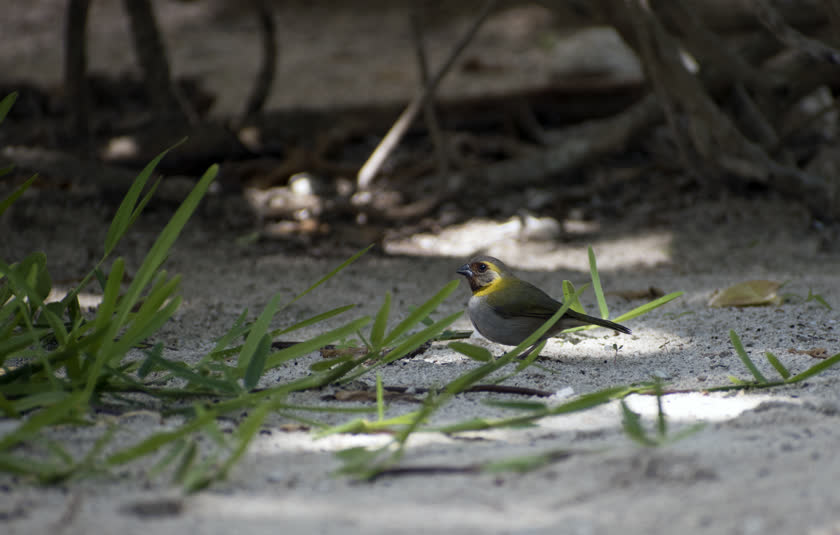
(493, 286)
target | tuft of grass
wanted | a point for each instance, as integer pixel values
(786, 378)
(634, 428)
(55, 363)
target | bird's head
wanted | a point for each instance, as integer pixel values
(483, 273)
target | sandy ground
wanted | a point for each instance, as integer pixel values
(764, 463)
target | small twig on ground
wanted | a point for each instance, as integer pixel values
(395, 134)
(498, 389)
(475, 468)
(504, 389)
(426, 470)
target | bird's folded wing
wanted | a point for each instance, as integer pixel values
(531, 304)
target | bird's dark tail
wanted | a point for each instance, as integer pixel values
(583, 318)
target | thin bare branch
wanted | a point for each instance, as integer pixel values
(154, 62)
(569, 149)
(833, 9)
(395, 134)
(429, 113)
(75, 70)
(268, 66)
(775, 22)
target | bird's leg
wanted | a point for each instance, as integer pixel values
(528, 351)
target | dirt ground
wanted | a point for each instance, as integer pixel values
(764, 463)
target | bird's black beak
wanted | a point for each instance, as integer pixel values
(465, 271)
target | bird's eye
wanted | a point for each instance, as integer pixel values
(482, 267)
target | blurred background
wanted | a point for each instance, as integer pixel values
(547, 122)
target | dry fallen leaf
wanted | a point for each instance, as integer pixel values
(749, 293)
(817, 352)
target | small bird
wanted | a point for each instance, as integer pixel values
(506, 309)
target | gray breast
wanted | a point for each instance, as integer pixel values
(507, 331)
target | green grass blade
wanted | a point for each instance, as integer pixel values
(776, 363)
(15, 195)
(472, 351)
(811, 296)
(247, 431)
(39, 420)
(592, 399)
(111, 294)
(143, 202)
(815, 369)
(8, 408)
(332, 273)
(161, 291)
(685, 432)
(186, 462)
(739, 348)
(661, 420)
(596, 285)
(51, 313)
(238, 329)
(158, 440)
(181, 370)
(148, 364)
(200, 476)
(531, 358)
(125, 212)
(421, 312)
(526, 463)
(37, 395)
(142, 330)
(584, 402)
(157, 254)
(298, 350)
(99, 445)
(571, 295)
(318, 318)
(377, 331)
(6, 104)
(256, 364)
(258, 330)
(380, 398)
(647, 307)
(419, 338)
(24, 279)
(23, 466)
(632, 424)
(530, 406)
(329, 363)
(173, 453)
